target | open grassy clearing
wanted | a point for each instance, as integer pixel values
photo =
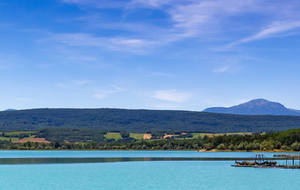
(30, 137)
(8, 139)
(137, 136)
(235, 133)
(14, 133)
(115, 136)
(196, 135)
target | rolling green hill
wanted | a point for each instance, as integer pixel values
(141, 121)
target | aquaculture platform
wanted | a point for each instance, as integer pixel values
(275, 166)
(259, 162)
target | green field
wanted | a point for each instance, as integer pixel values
(137, 136)
(115, 136)
(30, 137)
(235, 133)
(8, 139)
(14, 133)
(196, 135)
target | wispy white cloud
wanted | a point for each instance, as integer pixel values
(89, 88)
(230, 65)
(161, 74)
(273, 30)
(185, 19)
(172, 95)
(222, 69)
(130, 45)
(97, 3)
(103, 93)
(149, 3)
(121, 44)
(83, 58)
(201, 19)
(74, 84)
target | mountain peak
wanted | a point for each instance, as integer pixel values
(10, 109)
(258, 101)
(255, 107)
(261, 103)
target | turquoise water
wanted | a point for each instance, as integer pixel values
(105, 154)
(141, 175)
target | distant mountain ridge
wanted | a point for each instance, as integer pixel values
(142, 121)
(10, 109)
(255, 107)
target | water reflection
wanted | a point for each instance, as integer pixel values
(8, 161)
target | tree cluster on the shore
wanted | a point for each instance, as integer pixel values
(286, 140)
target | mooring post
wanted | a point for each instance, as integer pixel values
(293, 160)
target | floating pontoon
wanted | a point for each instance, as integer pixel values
(261, 162)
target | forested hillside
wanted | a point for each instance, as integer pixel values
(143, 120)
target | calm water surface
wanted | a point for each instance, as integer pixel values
(141, 175)
(112, 154)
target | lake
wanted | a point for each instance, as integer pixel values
(141, 174)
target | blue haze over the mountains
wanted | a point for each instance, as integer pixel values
(10, 109)
(255, 107)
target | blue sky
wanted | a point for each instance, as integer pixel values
(138, 54)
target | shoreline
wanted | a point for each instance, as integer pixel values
(201, 150)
